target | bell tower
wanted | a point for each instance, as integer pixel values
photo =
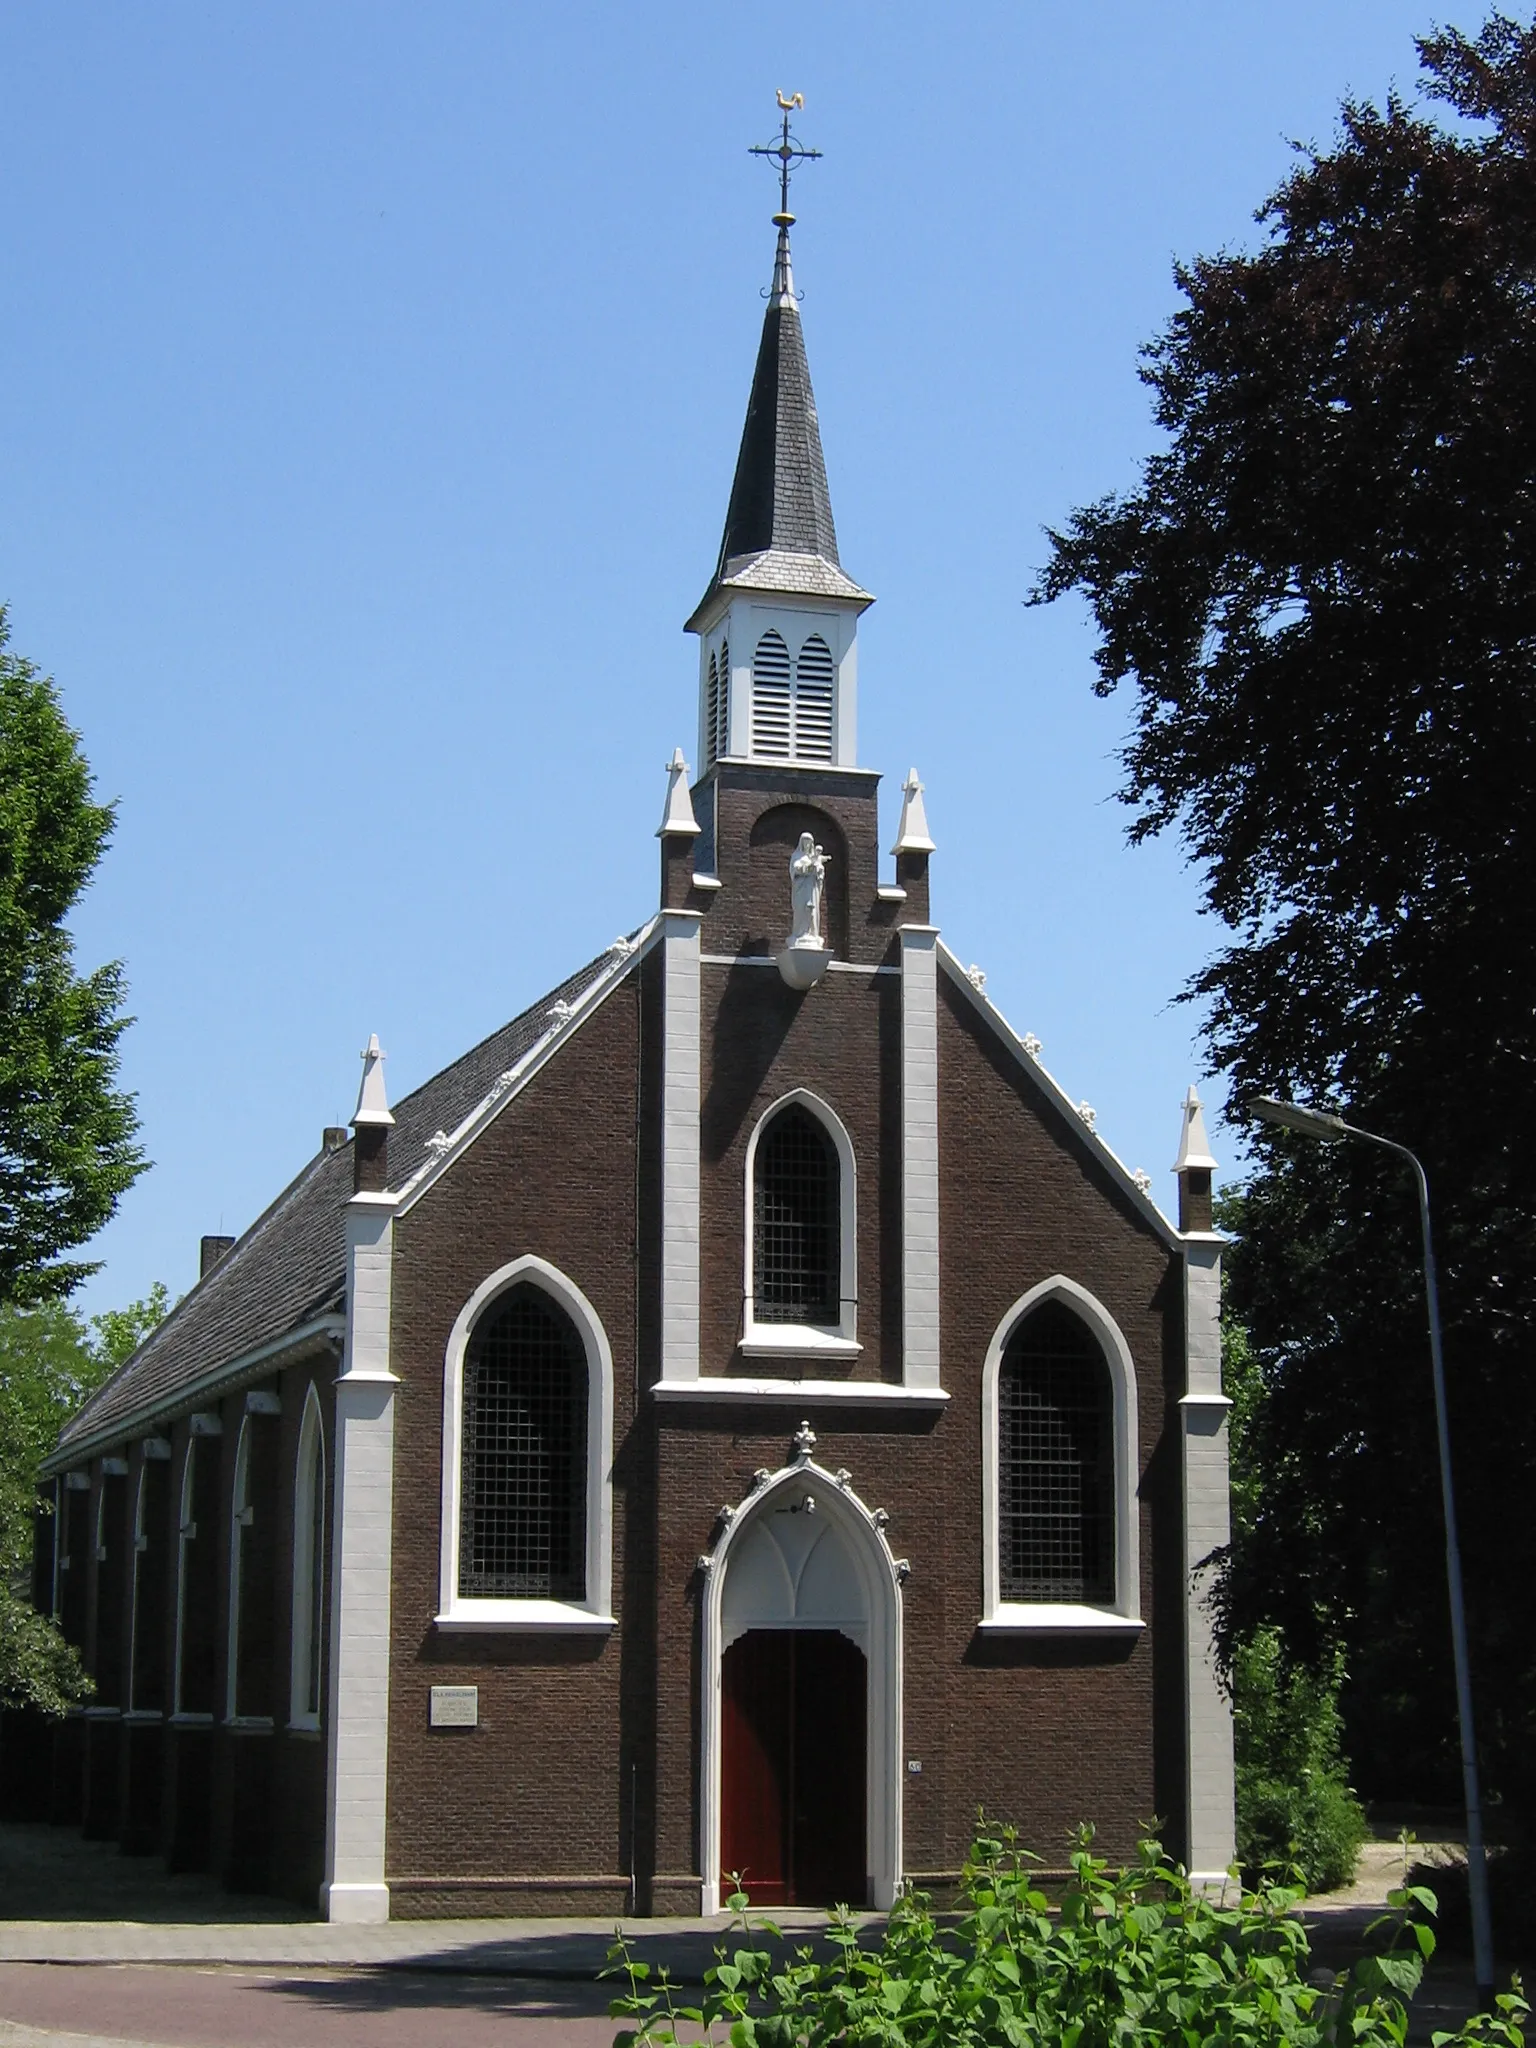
(778, 661)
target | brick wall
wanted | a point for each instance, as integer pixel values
(588, 1750)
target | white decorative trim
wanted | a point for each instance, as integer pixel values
(440, 1157)
(594, 1614)
(241, 1513)
(1026, 1052)
(362, 1540)
(277, 1351)
(883, 1651)
(838, 1393)
(1016, 1617)
(1050, 1618)
(1210, 1842)
(186, 1533)
(308, 1475)
(354, 1905)
(772, 959)
(919, 1157)
(681, 1095)
(796, 1340)
(805, 1340)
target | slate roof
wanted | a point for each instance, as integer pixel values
(779, 533)
(289, 1268)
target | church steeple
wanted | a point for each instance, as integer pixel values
(776, 676)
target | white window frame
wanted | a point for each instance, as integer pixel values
(805, 1340)
(140, 1546)
(186, 1535)
(594, 1614)
(1123, 1615)
(242, 1513)
(309, 1472)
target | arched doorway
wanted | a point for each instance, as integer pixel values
(802, 1699)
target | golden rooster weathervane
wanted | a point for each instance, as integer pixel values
(789, 153)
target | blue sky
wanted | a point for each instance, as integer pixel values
(370, 384)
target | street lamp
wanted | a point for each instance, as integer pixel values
(1317, 1123)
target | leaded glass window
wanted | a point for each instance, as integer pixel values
(797, 1222)
(524, 1493)
(1056, 1463)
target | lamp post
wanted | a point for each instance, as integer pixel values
(1317, 1123)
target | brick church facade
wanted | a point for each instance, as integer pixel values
(739, 1417)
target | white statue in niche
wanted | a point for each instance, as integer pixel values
(804, 959)
(807, 881)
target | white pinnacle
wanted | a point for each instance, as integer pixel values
(912, 835)
(678, 816)
(372, 1102)
(1194, 1145)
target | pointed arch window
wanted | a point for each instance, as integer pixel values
(197, 1580)
(307, 1658)
(527, 1458)
(251, 1572)
(801, 1232)
(1059, 1470)
(146, 1655)
(1056, 1457)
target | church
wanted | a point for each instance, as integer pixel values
(738, 1420)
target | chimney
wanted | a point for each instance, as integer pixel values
(1194, 1167)
(210, 1251)
(333, 1137)
(912, 848)
(371, 1125)
(677, 831)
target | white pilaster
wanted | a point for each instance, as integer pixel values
(361, 1556)
(1211, 1839)
(919, 1156)
(680, 1094)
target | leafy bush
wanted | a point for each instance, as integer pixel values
(1134, 1956)
(1294, 1803)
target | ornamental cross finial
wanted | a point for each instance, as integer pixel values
(789, 153)
(805, 1442)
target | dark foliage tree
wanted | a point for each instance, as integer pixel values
(50, 1360)
(1324, 591)
(67, 1149)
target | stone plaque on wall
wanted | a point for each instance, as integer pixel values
(454, 1706)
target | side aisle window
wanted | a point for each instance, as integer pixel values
(523, 1487)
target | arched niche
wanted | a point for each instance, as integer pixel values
(775, 834)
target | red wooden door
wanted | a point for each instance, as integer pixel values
(792, 1767)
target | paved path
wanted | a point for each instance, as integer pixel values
(196, 1968)
(152, 2007)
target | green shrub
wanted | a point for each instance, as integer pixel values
(1295, 1808)
(1129, 1957)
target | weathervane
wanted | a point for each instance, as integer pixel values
(789, 153)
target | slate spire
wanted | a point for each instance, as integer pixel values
(779, 534)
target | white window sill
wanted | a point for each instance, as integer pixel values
(533, 1617)
(1019, 1617)
(796, 1340)
(791, 1392)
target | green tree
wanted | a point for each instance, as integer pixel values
(1323, 590)
(51, 1359)
(67, 1132)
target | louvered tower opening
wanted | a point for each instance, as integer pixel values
(711, 713)
(771, 699)
(813, 701)
(721, 726)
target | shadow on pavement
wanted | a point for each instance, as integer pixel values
(51, 1873)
